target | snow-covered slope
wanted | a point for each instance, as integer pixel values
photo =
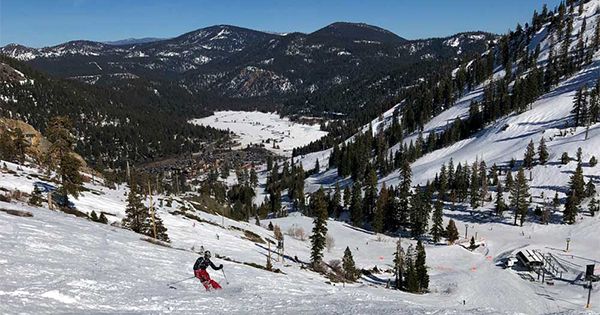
(54, 262)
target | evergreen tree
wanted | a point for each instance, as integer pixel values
(103, 218)
(579, 107)
(399, 265)
(93, 216)
(564, 158)
(577, 184)
(161, 230)
(370, 197)
(451, 232)
(420, 208)
(381, 210)
(337, 201)
(404, 194)
(437, 227)
(356, 214)
(590, 189)
(571, 208)
(543, 151)
(421, 268)
(59, 134)
(593, 161)
(319, 232)
(474, 187)
(347, 197)
(556, 201)
(136, 214)
(500, 206)
(350, 272)
(529, 155)
(508, 181)
(412, 278)
(519, 196)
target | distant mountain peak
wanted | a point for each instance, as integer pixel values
(358, 31)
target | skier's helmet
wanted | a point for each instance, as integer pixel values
(207, 254)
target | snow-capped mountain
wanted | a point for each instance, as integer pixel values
(239, 62)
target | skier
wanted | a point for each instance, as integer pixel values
(200, 271)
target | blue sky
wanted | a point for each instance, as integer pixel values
(40, 23)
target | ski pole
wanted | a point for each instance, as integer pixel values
(172, 283)
(226, 281)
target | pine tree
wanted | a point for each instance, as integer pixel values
(472, 243)
(319, 232)
(420, 208)
(347, 197)
(103, 218)
(93, 216)
(161, 230)
(350, 272)
(136, 214)
(404, 195)
(543, 151)
(59, 134)
(437, 227)
(593, 161)
(571, 208)
(577, 183)
(519, 196)
(337, 201)
(500, 206)
(370, 197)
(399, 265)
(529, 155)
(451, 232)
(412, 278)
(421, 268)
(556, 201)
(356, 214)
(508, 181)
(590, 189)
(578, 107)
(564, 158)
(381, 210)
(474, 187)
